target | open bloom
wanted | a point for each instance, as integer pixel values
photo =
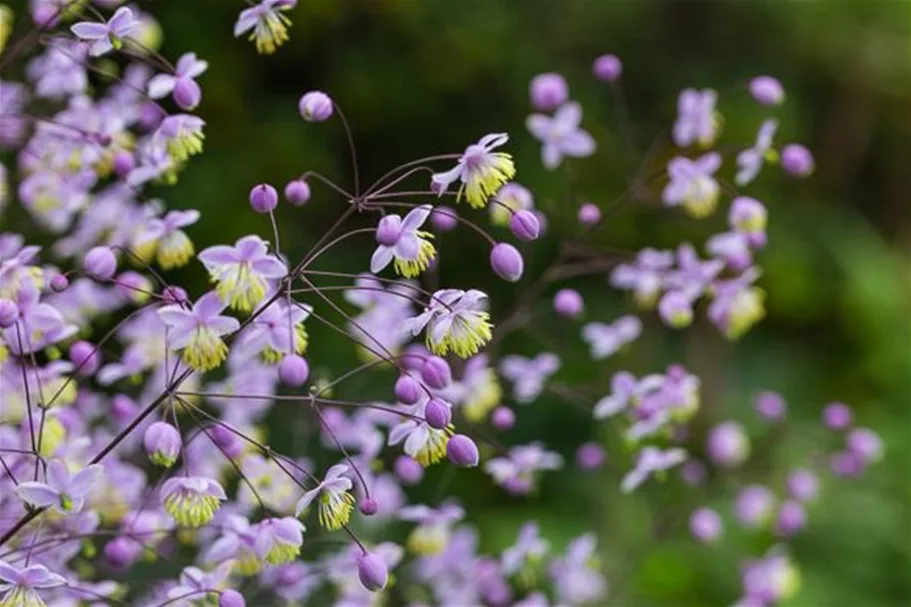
(165, 238)
(198, 331)
(645, 277)
(64, 492)
(106, 36)
(402, 241)
(481, 171)
(529, 374)
(517, 471)
(278, 330)
(269, 25)
(456, 321)
(181, 135)
(577, 575)
(650, 461)
(20, 587)
(561, 136)
(606, 339)
(279, 540)
(737, 305)
(192, 500)
(423, 443)
(434, 529)
(528, 550)
(749, 161)
(692, 184)
(335, 499)
(182, 84)
(241, 272)
(696, 118)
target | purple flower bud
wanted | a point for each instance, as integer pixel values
(589, 214)
(865, 444)
(757, 240)
(791, 518)
(86, 358)
(413, 358)
(162, 443)
(100, 263)
(568, 303)
(803, 485)
(847, 464)
(462, 451)
(123, 163)
(767, 90)
(676, 309)
(548, 91)
(438, 413)
(123, 408)
(122, 552)
(409, 471)
(389, 230)
(507, 262)
(187, 94)
(315, 106)
(59, 283)
(525, 225)
(9, 313)
(297, 192)
(503, 418)
(407, 389)
(607, 68)
(771, 406)
(231, 598)
(706, 525)
(444, 219)
(293, 370)
(797, 160)
(369, 506)
(263, 198)
(728, 444)
(590, 456)
(436, 372)
(174, 295)
(227, 441)
(837, 416)
(754, 505)
(372, 572)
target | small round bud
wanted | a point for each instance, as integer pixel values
(462, 451)
(227, 441)
(525, 226)
(293, 371)
(122, 552)
(86, 358)
(187, 94)
(791, 518)
(100, 263)
(797, 160)
(414, 356)
(174, 295)
(369, 506)
(123, 408)
(803, 485)
(436, 372)
(409, 471)
(607, 68)
(372, 572)
(754, 505)
(59, 283)
(133, 286)
(590, 456)
(847, 464)
(589, 214)
(503, 418)
(231, 598)
(728, 444)
(162, 443)
(771, 406)
(676, 309)
(837, 416)
(706, 525)
(315, 106)
(9, 313)
(407, 390)
(297, 192)
(388, 230)
(438, 413)
(767, 90)
(124, 162)
(263, 198)
(507, 262)
(444, 219)
(568, 303)
(865, 444)
(547, 91)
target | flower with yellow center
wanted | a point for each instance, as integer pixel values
(335, 500)
(193, 500)
(480, 170)
(198, 331)
(242, 272)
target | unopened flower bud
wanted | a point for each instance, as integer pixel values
(525, 226)
(162, 443)
(388, 230)
(122, 552)
(791, 518)
(297, 192)
(797, 160)
(407, 389)
(86, 358)
(409, 471)
(590, 456)
(547, 91)
(767, 90)
(728, 444)
(507, 262)
(369, 506)
(706, 525)
(589, 214)
(263, 198)
(837, 416)
(436, 372)
(231, 598)
(438, 413)
(444, 219)
(100, 263)
(607, 68)
(503, 418)
(229, 443)
(187, 94)
(293, 370)
(372, 572)
(462, 451)
(124, 162)
(568, 303)
(315, 106)
(9, 313)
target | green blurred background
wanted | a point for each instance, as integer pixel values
(417, 78)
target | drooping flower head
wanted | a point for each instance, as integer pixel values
(403, 243)
(164, 238)
(750, 160)
(455, 321)
(423, 443)
(192, 500)
(19, 587)
(279, 540)
(182, 84)
(434, 528)
(269, 24)
(107, 36)
(241, 272)
(181, 135)
(198, 331)
(481, 171)
(335, 499)
(650, 461)
(692, 184)
(697, 121)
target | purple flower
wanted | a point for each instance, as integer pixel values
(530, 548)
(754, 505)
(481, 171)
(403, 242)
(623, 388)
(692, 184)
(279, 540)
(529, 374)
(728, 444)
(64, 492)
(182, 85)
(767, 90)
(771, 406)
(455, 320)
(335, 499)
(269, 24)
(706, 525)
(797, 160)
(561, 136)
(749, 161)
(803, 485)
(548, 91)
(242, 272)
(605, 340)
(165, 238)
(738, 305)
(517, 471)
(650, 461)
(424, 443)
(576, 575)
(792, 517)
(696, 119)
(20, 586)
(106, 36)
(865, 444)
(192, 500)
(198, 331)
(645, 277)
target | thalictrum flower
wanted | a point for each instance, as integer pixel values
(737, 304)
(528, 550)
(606, 339)
(425, 444)
(192, 500)
(64, 492)
(277, 330)
(434, 526)
(517, 471)
(650, 461)
(623, 388)
(402, 242)
(20, 586)
(335, 499)
(749, 161)
(692, 184)
(696, 118)
(481, 171)
(644, 277)
(241, 272)
(106, 36)
(456, 321)
(269, 24)
(181, 135)
(182, 84)
(529, 374)
(279, 539)
(198, 331)
(577, 575)
(164, 238)
(561, 136)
